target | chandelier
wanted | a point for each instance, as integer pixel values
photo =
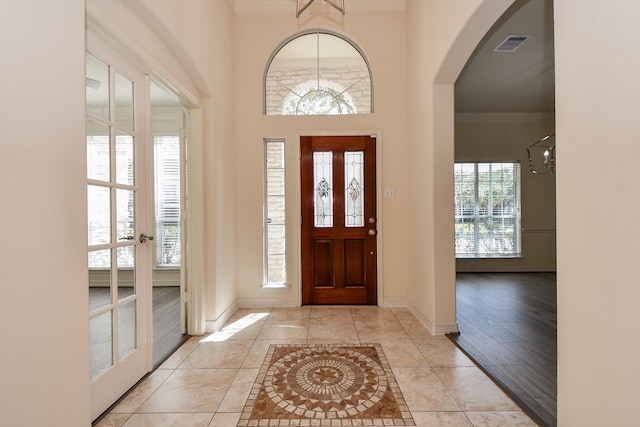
(542, 157)
(302, 5)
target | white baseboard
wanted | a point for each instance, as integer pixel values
(434, 328)
(267, 303)
(216, 325)
(395, 302)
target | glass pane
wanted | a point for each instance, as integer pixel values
(124, 102)
(99, 279)
(318, 74)
(124, 159)
(124, 211)
(99, 215)
(126, 329)
(100, 343)
(97, 84)
(126, 271)
(275, 239)
(167, 199)
(323, 178)
(276, 269)
(275, 209)
(275, 154)
(354, 191)
(293, 72)
(98, 153)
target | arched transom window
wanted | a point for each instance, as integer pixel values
(318, 73)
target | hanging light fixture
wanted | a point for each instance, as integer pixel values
(302, 5)
(542, 159)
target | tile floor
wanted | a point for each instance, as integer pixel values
(205, 383)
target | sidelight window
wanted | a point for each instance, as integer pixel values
(275, 265)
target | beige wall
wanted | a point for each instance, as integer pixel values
(503, 137)
(441, 37)
(256, 38)
(44, 358)
(598, 138)
(44, 309)
(189, 47)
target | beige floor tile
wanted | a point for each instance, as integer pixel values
(474, 391)
(295, 329)
(326, 312)
(403, 353)
(402, 313)
(258, 351)
(243, 329)
(500, 419)
(236, 397)
(113, 420)
(441, 419)
(169, 420)
(336, 328)
(249, 313)
(215, 372)
(180, 354)
(287, 314)
(137, 396)
(190, 390)
(416, 330)
(225, 420)
(443, 354)
(379, 328)
(371, 313)
(210, 355)
(355, 341)
(423, 390)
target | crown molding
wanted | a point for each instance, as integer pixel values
(289, 6)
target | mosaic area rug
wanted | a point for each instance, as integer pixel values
(325, 385)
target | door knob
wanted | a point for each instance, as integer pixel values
(143, 238)
(371, 232)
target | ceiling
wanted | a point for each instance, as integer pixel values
(521, 81)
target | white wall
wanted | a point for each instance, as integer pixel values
(382, 37)
(44, 357)
(494, 137)
(598, 139)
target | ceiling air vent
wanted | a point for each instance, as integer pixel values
(511, 43)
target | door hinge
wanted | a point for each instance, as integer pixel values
(185, 297)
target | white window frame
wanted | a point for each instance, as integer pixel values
(279, 172)
(158, 242)
(477, 218)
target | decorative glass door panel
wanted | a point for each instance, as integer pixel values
(323, 177)
(338, 220)
(117, 261)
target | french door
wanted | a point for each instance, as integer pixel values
(338, 193)
(119, 252)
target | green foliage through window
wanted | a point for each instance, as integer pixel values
(487, 209)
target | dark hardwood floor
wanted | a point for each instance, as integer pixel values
(507, 324)
(167, 336)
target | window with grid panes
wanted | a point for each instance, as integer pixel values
(487, 209)
(275, 266)
(167, 200)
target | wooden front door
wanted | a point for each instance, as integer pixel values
(339, 224)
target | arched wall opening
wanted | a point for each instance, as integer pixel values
(432, 293)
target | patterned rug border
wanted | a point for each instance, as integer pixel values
(405, 418)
